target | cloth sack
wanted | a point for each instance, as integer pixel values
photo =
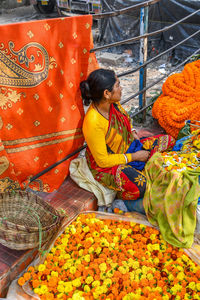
(81, 174)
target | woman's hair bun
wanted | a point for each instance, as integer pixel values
(85, 92)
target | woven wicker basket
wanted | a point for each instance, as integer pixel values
(26, 220)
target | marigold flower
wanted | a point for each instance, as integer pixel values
(21, 281)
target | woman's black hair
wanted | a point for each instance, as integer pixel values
(97, 82)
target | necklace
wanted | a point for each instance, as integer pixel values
(101, 113)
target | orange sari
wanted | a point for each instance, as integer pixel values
(41, 110)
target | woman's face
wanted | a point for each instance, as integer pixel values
(116, 92)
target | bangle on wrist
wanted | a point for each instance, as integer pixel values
(126, 159)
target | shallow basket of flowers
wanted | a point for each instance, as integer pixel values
(106, 256)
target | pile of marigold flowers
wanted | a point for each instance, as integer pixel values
(109, 259)
(188, 158)
(180, 99)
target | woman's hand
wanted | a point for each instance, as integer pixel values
(135, 136)
(141, 155)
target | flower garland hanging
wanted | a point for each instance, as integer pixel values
(180, 99)
(114, 260)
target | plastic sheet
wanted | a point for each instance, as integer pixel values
(161, 14)
(25, 293)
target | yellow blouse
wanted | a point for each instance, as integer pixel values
(95, 127)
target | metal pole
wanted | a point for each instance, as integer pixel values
(143, 57)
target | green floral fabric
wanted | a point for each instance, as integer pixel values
(170, 201)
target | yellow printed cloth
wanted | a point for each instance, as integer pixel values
(41, 110)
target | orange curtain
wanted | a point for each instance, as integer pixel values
(41, 110)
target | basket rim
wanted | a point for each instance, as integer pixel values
(35, 198)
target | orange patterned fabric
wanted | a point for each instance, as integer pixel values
(41, 110)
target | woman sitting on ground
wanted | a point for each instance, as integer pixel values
(109, 135)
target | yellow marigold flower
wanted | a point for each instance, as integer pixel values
(76, 282)
(165, 297)
(112, 245)
(192, 285)
(60, 296)
(86, 288)
(41, 267)
(103, 275)
(149, 276)
(86, 229)
(113, 265)
(137, 278)
(64, 241)
(171, 277)
(149, 247)
(197, 297)
(77, 262)
(96, 295)
(104, 242)
(68, 287)
(153, 236)
(95, 283)
(89, 279)
(90, 239)
(131, 252)
(138, 291)
(37, 291)
(135, 265)
(95, 234)
(98, 250)
(87, 258)
(91, 250)
(130, 296)
(185, 258)
(122, 270)
(54, 274)
(103, 267)
(116, 239)
(53, 250)
(67, 256)
(156, 247)
(138, 271)
(61, 288)
(180, 276)
(80, 252)
(110, 274)
(107, 282)
(72, 229)
(43, 289)
(77, 296)
(132, 276)
(198, 286)
(156, 260)
(101, 289)
(72, 270)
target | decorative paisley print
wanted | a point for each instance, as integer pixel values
(12, 74)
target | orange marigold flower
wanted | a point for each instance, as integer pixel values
(21, 281)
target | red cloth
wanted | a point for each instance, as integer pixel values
(41, 110)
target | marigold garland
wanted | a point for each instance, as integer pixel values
(180, 99)
(111, 259)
